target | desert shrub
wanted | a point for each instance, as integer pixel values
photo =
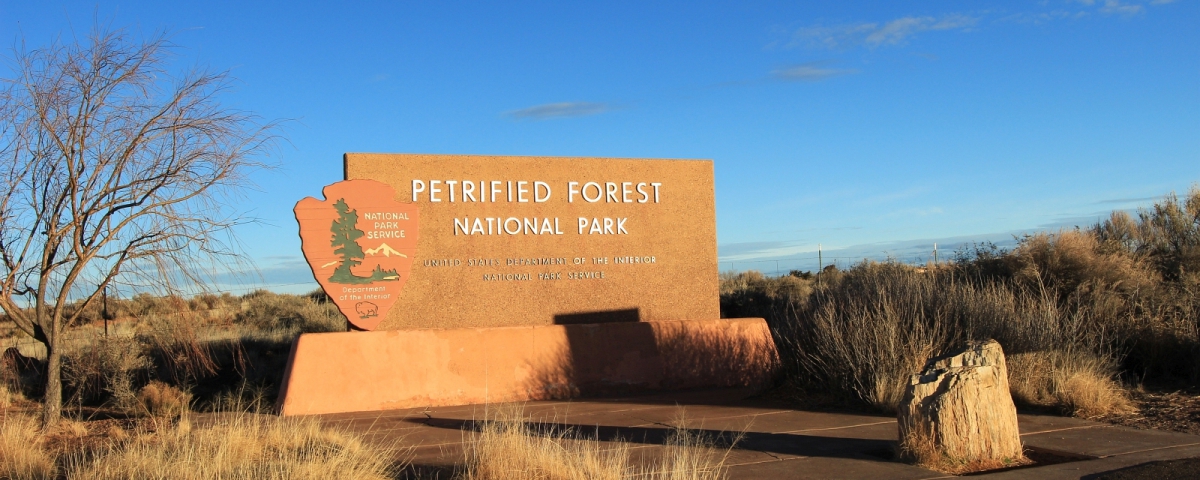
(1079, 311)
(318, 296)
(22, 450)
(982, 262)
(19, 373)
(1072, 262)
(1162, 335)
(161, 400)
(1059, 357)
(863, 335)
(212, 301)
(105, 366)
(210, 345)
(752, 294)
(177, 344)
(267, 311)
(143, 304)
(1166, 235)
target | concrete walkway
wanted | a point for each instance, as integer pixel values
(776, 442)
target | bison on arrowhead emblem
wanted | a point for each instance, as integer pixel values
(360, 243)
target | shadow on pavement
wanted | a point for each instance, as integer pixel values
(1186, 468)
(775, 443)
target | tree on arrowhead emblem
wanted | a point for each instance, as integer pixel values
(345, 242)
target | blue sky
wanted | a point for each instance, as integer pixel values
(871, 128)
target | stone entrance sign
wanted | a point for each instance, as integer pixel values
(532, 278)
(510, 241)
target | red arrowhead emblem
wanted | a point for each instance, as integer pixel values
(360, 243)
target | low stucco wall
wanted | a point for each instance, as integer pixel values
(366, 371)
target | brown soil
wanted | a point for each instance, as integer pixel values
(1177, 411)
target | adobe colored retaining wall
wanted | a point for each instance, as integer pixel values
(367, 371)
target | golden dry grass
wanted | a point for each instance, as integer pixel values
(162, 400)
(22, 450)
(506, 448)
(1078, 384)
(238, 446)
(922, 451)
(8, 397)
(232, 446)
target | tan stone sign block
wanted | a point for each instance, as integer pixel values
(509, 241)
(360, 243)
(382, 370)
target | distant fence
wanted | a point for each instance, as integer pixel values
(814, 263)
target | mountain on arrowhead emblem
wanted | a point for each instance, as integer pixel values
(384, 250)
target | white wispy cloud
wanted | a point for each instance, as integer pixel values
(1038, 18)
(810, 72)
(1123, 8)
(560, 110)
(872, 34)
(1118, 8)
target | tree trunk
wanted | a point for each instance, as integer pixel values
(52, 399)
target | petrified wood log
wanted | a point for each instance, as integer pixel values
(958, 415)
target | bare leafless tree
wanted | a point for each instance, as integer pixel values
(113, 170)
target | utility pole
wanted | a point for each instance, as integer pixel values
(105, 312)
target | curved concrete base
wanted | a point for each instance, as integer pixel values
(366, 371)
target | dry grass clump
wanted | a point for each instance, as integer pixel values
(238, 446)
(226, 446)
(689, 455)
(507, 448)
(22, 452)
(922, 450)
(8, 397)
(70, 428)
(1078, 385)
(161, 400)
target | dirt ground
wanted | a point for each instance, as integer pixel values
(1176, 411)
